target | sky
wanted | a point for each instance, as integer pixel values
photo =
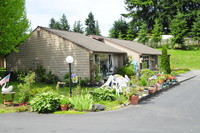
(39, 12)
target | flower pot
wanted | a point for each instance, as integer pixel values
(151, 91)
(64, 107)
(134, 99)
(161, 81)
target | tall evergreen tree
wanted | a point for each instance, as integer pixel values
(165, 62)
(130, 35)
(178, 27)
(55, 24)
(196, 29)
(60, 25)
(119, 26)
(142, 34)
(52, 23)
(156, 32)
(64, 23)
(14, 25)
(78, 27)
(90, 25)
(120, 36)
(97, 30)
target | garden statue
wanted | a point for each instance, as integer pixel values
(8, 89)
(3, 82)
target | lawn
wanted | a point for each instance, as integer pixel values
(62, 91)
(185, 59)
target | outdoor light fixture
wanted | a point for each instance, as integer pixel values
(70, 60)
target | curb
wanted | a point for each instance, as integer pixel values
(163, 89)
(158, 92)
(187, 79)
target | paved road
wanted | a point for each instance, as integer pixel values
(174, 111)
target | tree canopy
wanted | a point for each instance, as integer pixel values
(146, 11)
(78, 27)
(178, 27)
(60, 25)
(120, 27)
(196, 29)
(142, 34)
(14, 25)
(92, 27)
(156, 33)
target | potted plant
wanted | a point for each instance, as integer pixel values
(133, 95)
(64, 102)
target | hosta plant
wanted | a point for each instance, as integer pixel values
(46, 102)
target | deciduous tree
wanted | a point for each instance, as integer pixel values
(14, 25)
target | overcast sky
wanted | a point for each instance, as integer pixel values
(39, 12)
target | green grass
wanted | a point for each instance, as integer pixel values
(184, 59)
(4, 109)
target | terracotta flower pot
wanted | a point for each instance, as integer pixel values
(134, 99)
(64, 107)
(151, 91)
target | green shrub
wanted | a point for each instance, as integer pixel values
(25, 88)
(16, 74)
(63, 100)
(40, 72)
(2, 72)
(143, 81)
(103, 94)
(126, 70)
(147, 73)
(42, 76)
(46, 102)
(84, 82)
(81, 103)
(38, 90)
(22, 108)
(51, 78)
(121, 99)
(165, 63)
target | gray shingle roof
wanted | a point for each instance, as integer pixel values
(138, 47)
(84, 41)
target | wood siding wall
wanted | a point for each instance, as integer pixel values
(129, 52)
(49, 50)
